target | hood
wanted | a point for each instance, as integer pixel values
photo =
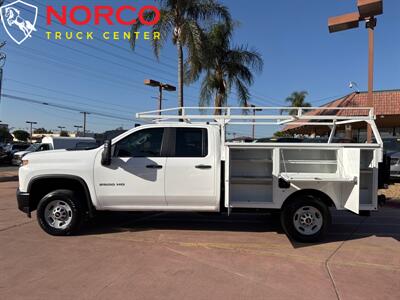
(59, 157)
(394, 154)
(21, 153)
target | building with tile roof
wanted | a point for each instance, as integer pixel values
(386, 108)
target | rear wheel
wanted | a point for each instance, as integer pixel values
(306, 219)
(60, 212)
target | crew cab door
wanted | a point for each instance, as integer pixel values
(190, 178)
(135, 177)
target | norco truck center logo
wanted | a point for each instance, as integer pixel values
(19, 20)
(16, 22)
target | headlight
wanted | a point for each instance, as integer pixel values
(24, 162)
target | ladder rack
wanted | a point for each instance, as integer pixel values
(316, 116)
(305, 116)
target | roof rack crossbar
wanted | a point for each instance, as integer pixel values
(227, 117)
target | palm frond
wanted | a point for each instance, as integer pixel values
(251, 58)
(164, 27)
(207, 9)
(149, 15)
(243, 92)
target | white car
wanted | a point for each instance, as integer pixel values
(17, 157)
(182, 166)
(53, 143)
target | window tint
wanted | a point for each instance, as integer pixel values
(143, 143)
(20, 147)
(191, 142)
(44, 147)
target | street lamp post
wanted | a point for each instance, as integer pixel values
(31, 123)
(161, 86)
(367, 10)
(77, 129)
(254, 120)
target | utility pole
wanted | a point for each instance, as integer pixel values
(61, 128)
(77, 129)
(253, 134)
(85, 113)
(31, 123)
(2, 62)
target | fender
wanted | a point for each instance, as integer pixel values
(91, 208)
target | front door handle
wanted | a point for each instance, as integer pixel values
(203, 167)
(154, 167)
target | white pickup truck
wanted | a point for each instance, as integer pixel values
(188, 166)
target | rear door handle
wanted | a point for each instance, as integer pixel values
(154, 167)
(203, 167)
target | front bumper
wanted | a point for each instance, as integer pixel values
(16, 161)
(23, 202)
(395, 173)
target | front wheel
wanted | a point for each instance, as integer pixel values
(60, 212)
(306, 219)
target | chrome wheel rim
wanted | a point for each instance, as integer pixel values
(308, 220)
(58, 214)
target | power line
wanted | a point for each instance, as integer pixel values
(126, 83)
(101, 40)
(102, 59)
(256, 98)
(44, 56)
(13, 97)
(64, 93)
(50, 113)
(65, 100)
(260, 98)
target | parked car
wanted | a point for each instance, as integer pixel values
(54, 143)
(391, 147)
(10, 150)
(16, 160)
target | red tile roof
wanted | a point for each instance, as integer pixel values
(385, 103)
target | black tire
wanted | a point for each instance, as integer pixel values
(74, 214)
(302, 207)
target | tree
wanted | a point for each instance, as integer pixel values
(64, 133)
(182, 20)
(280, 134)
(297, 99)
(21, 135)
(225, 67)
(41, 131)
(5, 135)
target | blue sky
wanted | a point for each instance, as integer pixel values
(107, 77)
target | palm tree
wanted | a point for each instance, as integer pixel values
(182, 20)
(225, 66)
(297, 99)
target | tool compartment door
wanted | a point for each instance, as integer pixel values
(350, 167)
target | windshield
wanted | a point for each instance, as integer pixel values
(33, 147)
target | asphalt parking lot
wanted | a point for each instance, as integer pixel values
(197, 256)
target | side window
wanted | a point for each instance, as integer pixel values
(44, 147)
(143, 143)
(191, 142)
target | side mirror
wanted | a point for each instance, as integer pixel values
(106, 155)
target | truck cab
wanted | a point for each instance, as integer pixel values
(168, 167)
